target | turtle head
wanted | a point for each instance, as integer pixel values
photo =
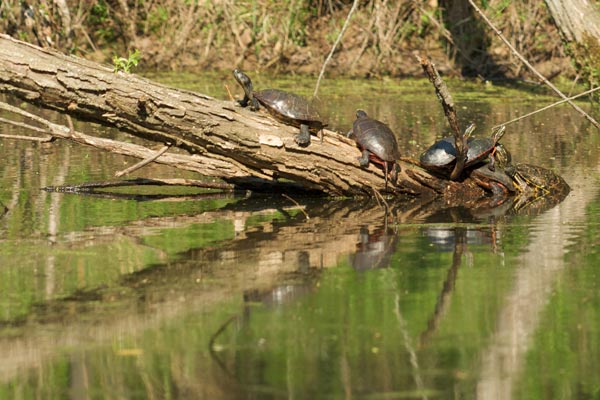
(246, 84)
(243, 80)
(498, 132)
(361, 113)
(502, 156)
(469, 130)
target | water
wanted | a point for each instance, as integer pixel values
(199, 295)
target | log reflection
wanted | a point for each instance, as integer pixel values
(271, 260)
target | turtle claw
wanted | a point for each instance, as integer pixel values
(394, 173)
(303, 138)
(363, 161)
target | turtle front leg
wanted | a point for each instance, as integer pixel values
(394, 172)
(303, 138)
(244, 102)
(252, 100)
(363, 160)
(492, 164)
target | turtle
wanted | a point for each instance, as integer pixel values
(496, 180)
(377, 143)
(442, 154)
(536, 181)
(287, 107)
(528, 179)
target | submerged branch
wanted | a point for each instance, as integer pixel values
(90, 186)
(143, 163)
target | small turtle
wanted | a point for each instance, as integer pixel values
(378, 144)
(536, 181)
(531, 180)
(289, 108)
(496, 180)
(442, 154)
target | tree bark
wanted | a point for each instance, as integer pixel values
(231, 143)
(576, 18)
(579, 24)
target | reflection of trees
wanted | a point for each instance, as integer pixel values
(446, 294)
(261, 253)
(275, 250)
(540, 266)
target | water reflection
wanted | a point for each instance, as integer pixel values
(374, 248)
(459, 238)
(229, 297)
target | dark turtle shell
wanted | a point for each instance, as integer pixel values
(442, 154)
(536, 180)
(291, 108)
(376, 137)
(498, 175)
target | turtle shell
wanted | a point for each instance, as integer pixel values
(498, 175)
(289, 107)
(442, 153)
(535, 179)
(377, 138)
(479, 149)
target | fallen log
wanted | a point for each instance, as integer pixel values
(220, 138)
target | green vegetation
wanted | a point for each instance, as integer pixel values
(125, 64)
(295, 36)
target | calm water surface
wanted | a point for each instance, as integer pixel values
(186, 295)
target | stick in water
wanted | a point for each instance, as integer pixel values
(143, 163)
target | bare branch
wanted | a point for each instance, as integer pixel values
(143, 163)
(90, 186)
(337, 41)
(443, 94)
(548, 106)
(196, 163)
(532, 68)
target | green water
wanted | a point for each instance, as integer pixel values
(205, 296)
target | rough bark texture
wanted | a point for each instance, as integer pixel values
(244, 145)
(575, 18)
(579, 24)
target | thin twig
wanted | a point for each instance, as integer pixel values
(70, 124)
(229, 93)
(532, 68)
(379, 196)
(90, 186)
(143, 163)
(547, 107)
(48, 137)
(297, 204)
(337, 41)
(31, 138)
